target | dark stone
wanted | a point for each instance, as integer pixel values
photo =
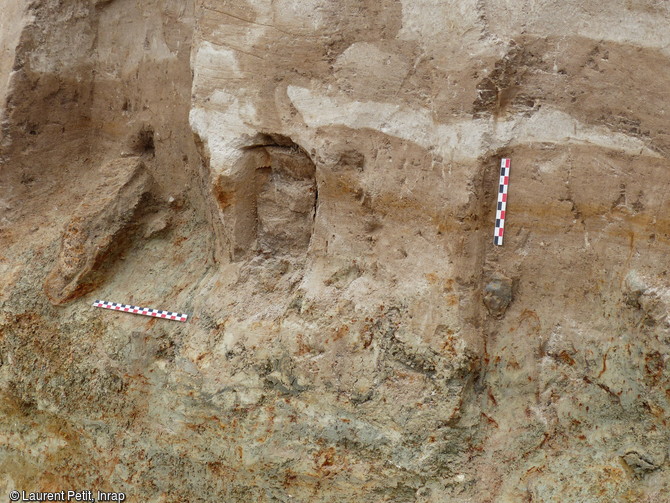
(498, 295)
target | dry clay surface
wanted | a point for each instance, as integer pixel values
(314, 183)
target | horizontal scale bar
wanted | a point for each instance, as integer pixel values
(126, 308)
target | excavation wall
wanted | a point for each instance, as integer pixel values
(315, 183)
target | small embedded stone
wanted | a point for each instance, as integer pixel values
(498, 295)
(639, 464)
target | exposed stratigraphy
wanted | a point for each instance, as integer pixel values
(314, 182)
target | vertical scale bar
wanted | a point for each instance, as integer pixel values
(502, 202)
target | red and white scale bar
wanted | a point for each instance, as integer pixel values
(140, 310)
(502, 202)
